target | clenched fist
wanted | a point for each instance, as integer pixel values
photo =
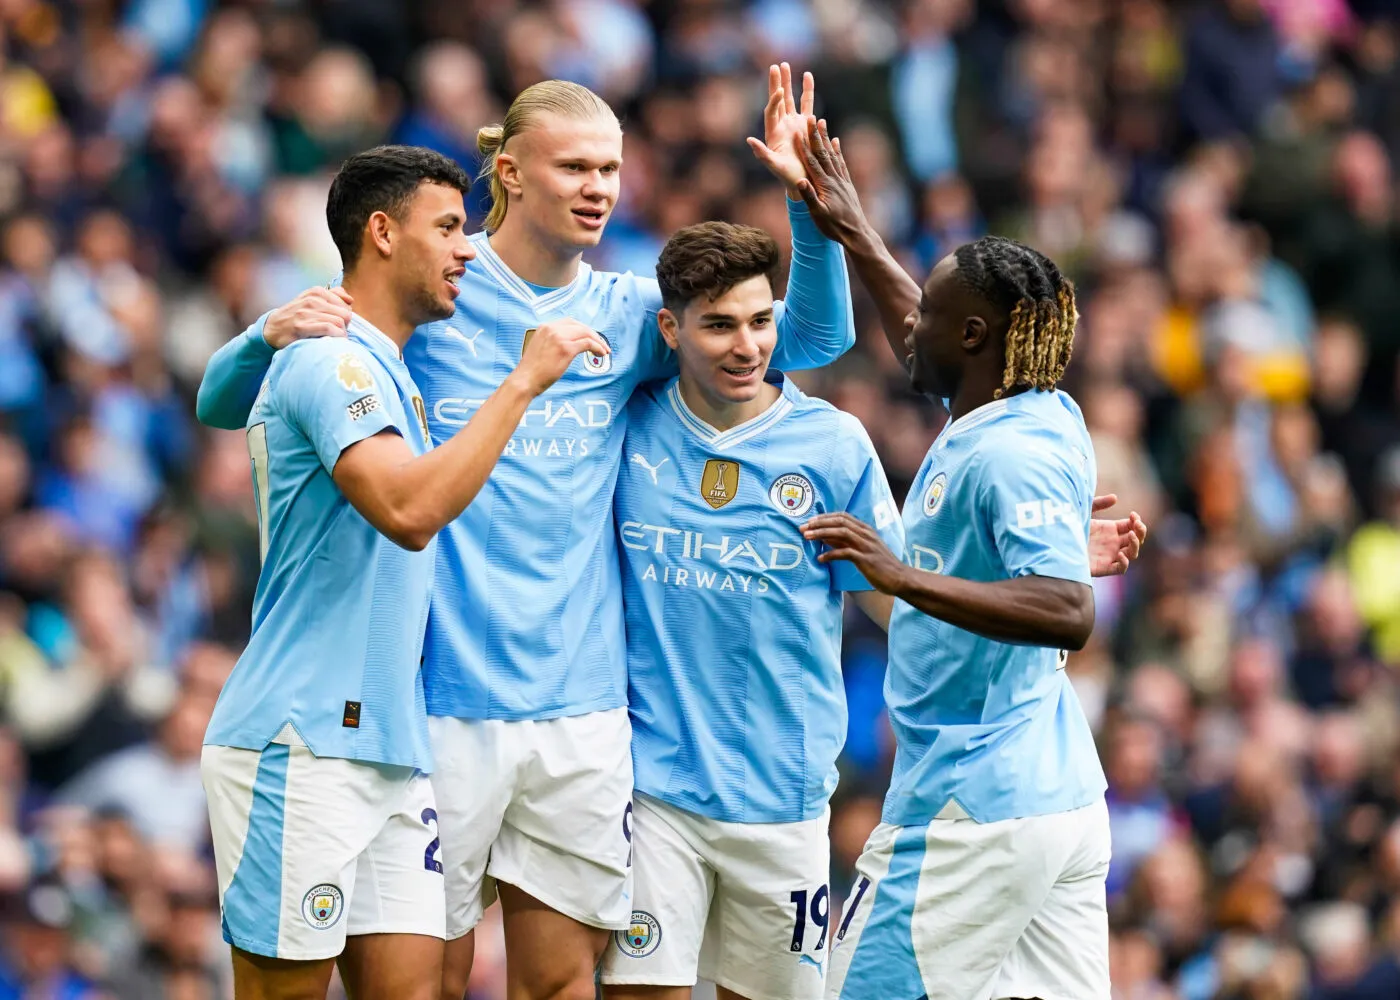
(552, 348)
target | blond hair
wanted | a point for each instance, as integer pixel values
(558, 97)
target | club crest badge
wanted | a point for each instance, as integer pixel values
(792, 494)
(933, 498)
(641, 938)
(322, 906)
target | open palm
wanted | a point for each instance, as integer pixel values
(784, 126)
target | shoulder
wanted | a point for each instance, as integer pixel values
(306, 364)
(623, 291)
(648, 399)
(322, 353)
(1026, 445)
(850, 448)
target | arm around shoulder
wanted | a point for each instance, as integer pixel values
(232, 379)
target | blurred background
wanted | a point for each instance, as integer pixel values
(1218, 177)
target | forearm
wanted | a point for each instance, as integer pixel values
(877, 606)
(896, 294)
(232, 379)
(1027, 610)
(819, 322)
(432, 490)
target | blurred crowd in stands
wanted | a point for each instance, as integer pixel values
(1218, 177)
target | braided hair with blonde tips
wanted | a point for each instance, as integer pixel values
(1038, 300)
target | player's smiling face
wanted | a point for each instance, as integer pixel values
(724, 344)
(432, 250)
(567, 177)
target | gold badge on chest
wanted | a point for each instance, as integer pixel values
(422, 413)
(719, 483)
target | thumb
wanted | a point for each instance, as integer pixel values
(808, 193)
(760, 149)
(1104, 502)
(345, 296)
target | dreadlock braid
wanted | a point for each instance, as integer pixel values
(1038, 300)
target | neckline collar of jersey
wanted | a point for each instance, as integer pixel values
(739, 433)
(982, 415)
(364, 328)
(517, 285)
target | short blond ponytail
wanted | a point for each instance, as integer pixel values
(559, 97)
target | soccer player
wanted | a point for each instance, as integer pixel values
(315, 755)
(524, 668)
(986, 876)
(734, 638)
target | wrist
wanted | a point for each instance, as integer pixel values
(257, 336)
(518, 386)
(860, 239)
(904, 582)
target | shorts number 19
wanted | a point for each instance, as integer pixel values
(819, 909)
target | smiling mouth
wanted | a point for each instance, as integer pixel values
(741, 372)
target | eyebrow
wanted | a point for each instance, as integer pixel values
(714, 316)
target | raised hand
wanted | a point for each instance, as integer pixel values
(784, 124)
(316, 312)
(826, 185)
(553, 348)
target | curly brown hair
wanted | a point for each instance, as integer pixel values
(711, 258)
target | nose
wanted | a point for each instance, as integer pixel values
(910, 319)
(465, 252)
(594, 186)
(745, 346)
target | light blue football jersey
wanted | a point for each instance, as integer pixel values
(733, 627)
(996, 728)
(527, 611)
(340, 610)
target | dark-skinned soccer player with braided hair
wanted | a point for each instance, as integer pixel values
(985, 878)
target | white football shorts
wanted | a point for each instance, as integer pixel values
(744, 905)
(312, 849)
(545, 806)
(961, 910)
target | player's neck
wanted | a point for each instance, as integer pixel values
(970, 397)
(537, 261)
(722, 414)
(379, 307)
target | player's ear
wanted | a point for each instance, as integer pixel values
(378, 228)
(509, 171)
(974, 333)
(670, 325)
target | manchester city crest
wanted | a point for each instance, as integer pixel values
(322, 906)
(641, 938)
(933, 498)
(597, 364)
(792, 494)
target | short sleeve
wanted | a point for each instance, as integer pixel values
(1036, 503)
(871, 501)
(328, 389)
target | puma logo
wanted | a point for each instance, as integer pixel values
(637, 459)
(469, 341)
